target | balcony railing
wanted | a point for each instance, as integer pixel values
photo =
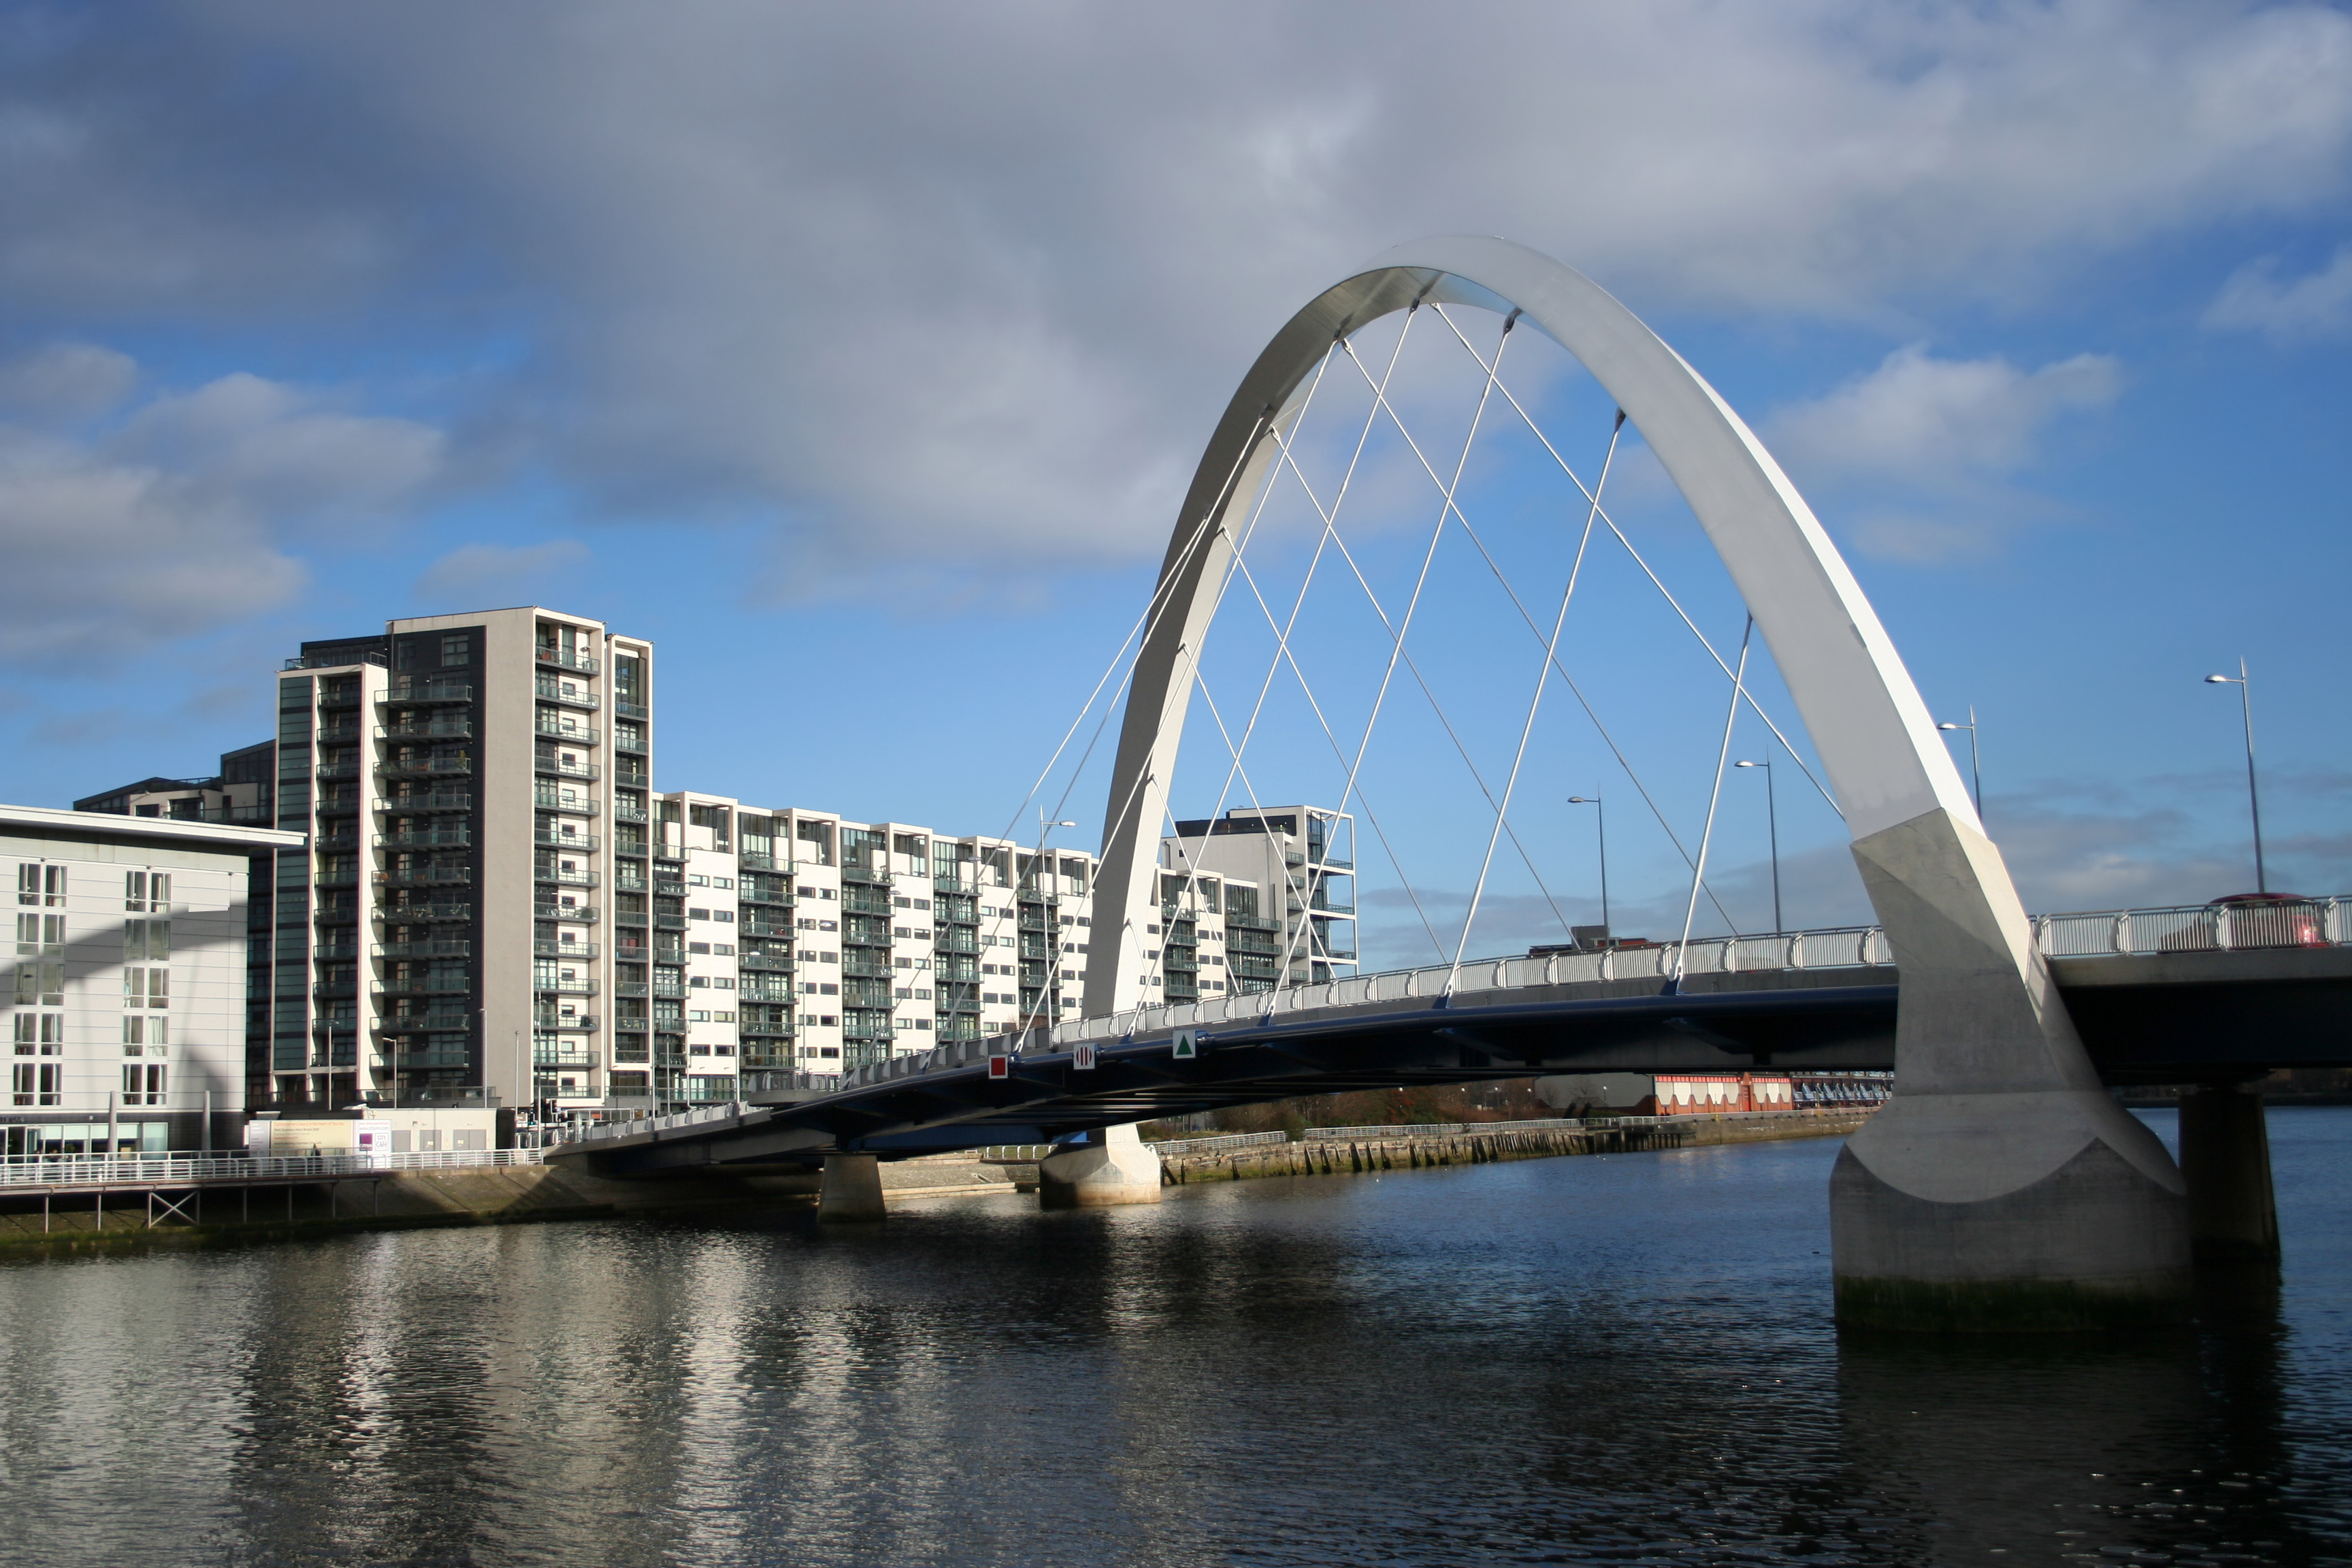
(627, 775)
(586, 912)
(553, 691)
(630, 917)
(857, 903)
(426, 877)
(585, 1023)
(766, 927)
(429, 692)
(547, 986)
(552, 1055)
(456, 728)
(750, 991)
(549, 762)
(333, 951)
(339, 876)
(335, 660)
(562, 878)
(667, 849)
(557, 658)
(625, 741)
(398, 914)
(427, 985)
(453, 836)
(669, 922)
(436, 800)
(550, 800)
(425, 1024)
(628, 710)
(623, 813)
(446, 947)
(564, 728)
(427, 767)
(772, 962)
(626, 879)
(584, 842)
(339, 769)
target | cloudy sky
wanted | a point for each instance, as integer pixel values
(857, 354)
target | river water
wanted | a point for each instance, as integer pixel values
(1619, 1360)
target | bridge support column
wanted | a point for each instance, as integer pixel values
(1114, 1169)
(2225, 1153)
(2001, 1189)
(852, 1189)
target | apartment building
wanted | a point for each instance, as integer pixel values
(243, 791)
(442, 944)
(127, 1007)
(1298, 863)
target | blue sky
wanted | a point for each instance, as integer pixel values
(859, 354)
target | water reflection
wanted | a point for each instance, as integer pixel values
(1610, 1361)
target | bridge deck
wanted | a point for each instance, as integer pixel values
(2196, 1014)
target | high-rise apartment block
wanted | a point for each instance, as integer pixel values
(495, 908)
(444, 940)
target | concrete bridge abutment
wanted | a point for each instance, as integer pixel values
(2001, 1189)
(2225, 1153)
(851, 1189)
(1115, 1168)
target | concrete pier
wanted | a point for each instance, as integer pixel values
(1116, 1167)
(2001, 1189)
(2225, 1153)
(851, 1191)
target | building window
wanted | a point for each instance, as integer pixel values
(143, 1035)
(37, 1083)
(146, 987)
(143, 1084)
(142, 890)
(44, 885)
(43, 1031)
(456, 651)
(146, 940)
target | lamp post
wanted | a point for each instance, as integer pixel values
(1976, 764)
(1772, 821)
(1600, 825)
(2244, 682)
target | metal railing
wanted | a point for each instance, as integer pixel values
(1218, 1140)
(168, 1169)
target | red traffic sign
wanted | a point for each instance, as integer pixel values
(1082, 1057)
(1000, 1067)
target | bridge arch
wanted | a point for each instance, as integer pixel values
(2001, 1171)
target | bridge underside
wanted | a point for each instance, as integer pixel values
(2166, 1018)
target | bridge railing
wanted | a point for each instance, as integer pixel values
(2304, 923)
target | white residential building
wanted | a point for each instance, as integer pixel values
(127, 1006)
(1299, 860)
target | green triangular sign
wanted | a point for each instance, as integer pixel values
(1187, 1046)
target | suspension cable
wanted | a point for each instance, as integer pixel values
(1543, 676)
(1536, 430)
(1730, 718)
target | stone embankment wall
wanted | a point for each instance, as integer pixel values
(1349, 1156)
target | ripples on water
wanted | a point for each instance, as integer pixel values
(1622, 1360)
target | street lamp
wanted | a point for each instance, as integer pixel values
(1600, 823)
(1976, 764)
(1772, 820)
(2245, 685)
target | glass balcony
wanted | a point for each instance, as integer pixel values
(339, 876)
(864, 903)
(549, 690)
(421, 691)
(554, 1054)
(334, 805)
(625, 741)
(329, 990)
(672, 993)
(871, 968)
(436, 800)
(628, 775)
(625, 813)
(339, 769)
(629, 916)
(335, 660)
(333, 951)
(772, 963)
(556, 658)
(629, 988)
(427, 767)
(549, 763)
(563, 879)
(548, 1018)
(341, 734)
(584, 842)
(563, 727)
(670, 887)
(668, 850)
(669, 922)
(628, 710)
(425, 1024)
(626, 879)
(417, 728)
(754, 860)
(586, 912)
(448, 947)
(547, 986)
(427, 985)
(766, 927)
(553, 800)
(450, 836)
(426, 877)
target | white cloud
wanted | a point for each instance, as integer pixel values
(1928, 420)
(2313, 308)
(65, 382)
(972, 283)
(477, 573)
(169, 522)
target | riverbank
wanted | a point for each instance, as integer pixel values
(1494, 1142)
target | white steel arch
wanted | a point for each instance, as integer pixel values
(1863, 715)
